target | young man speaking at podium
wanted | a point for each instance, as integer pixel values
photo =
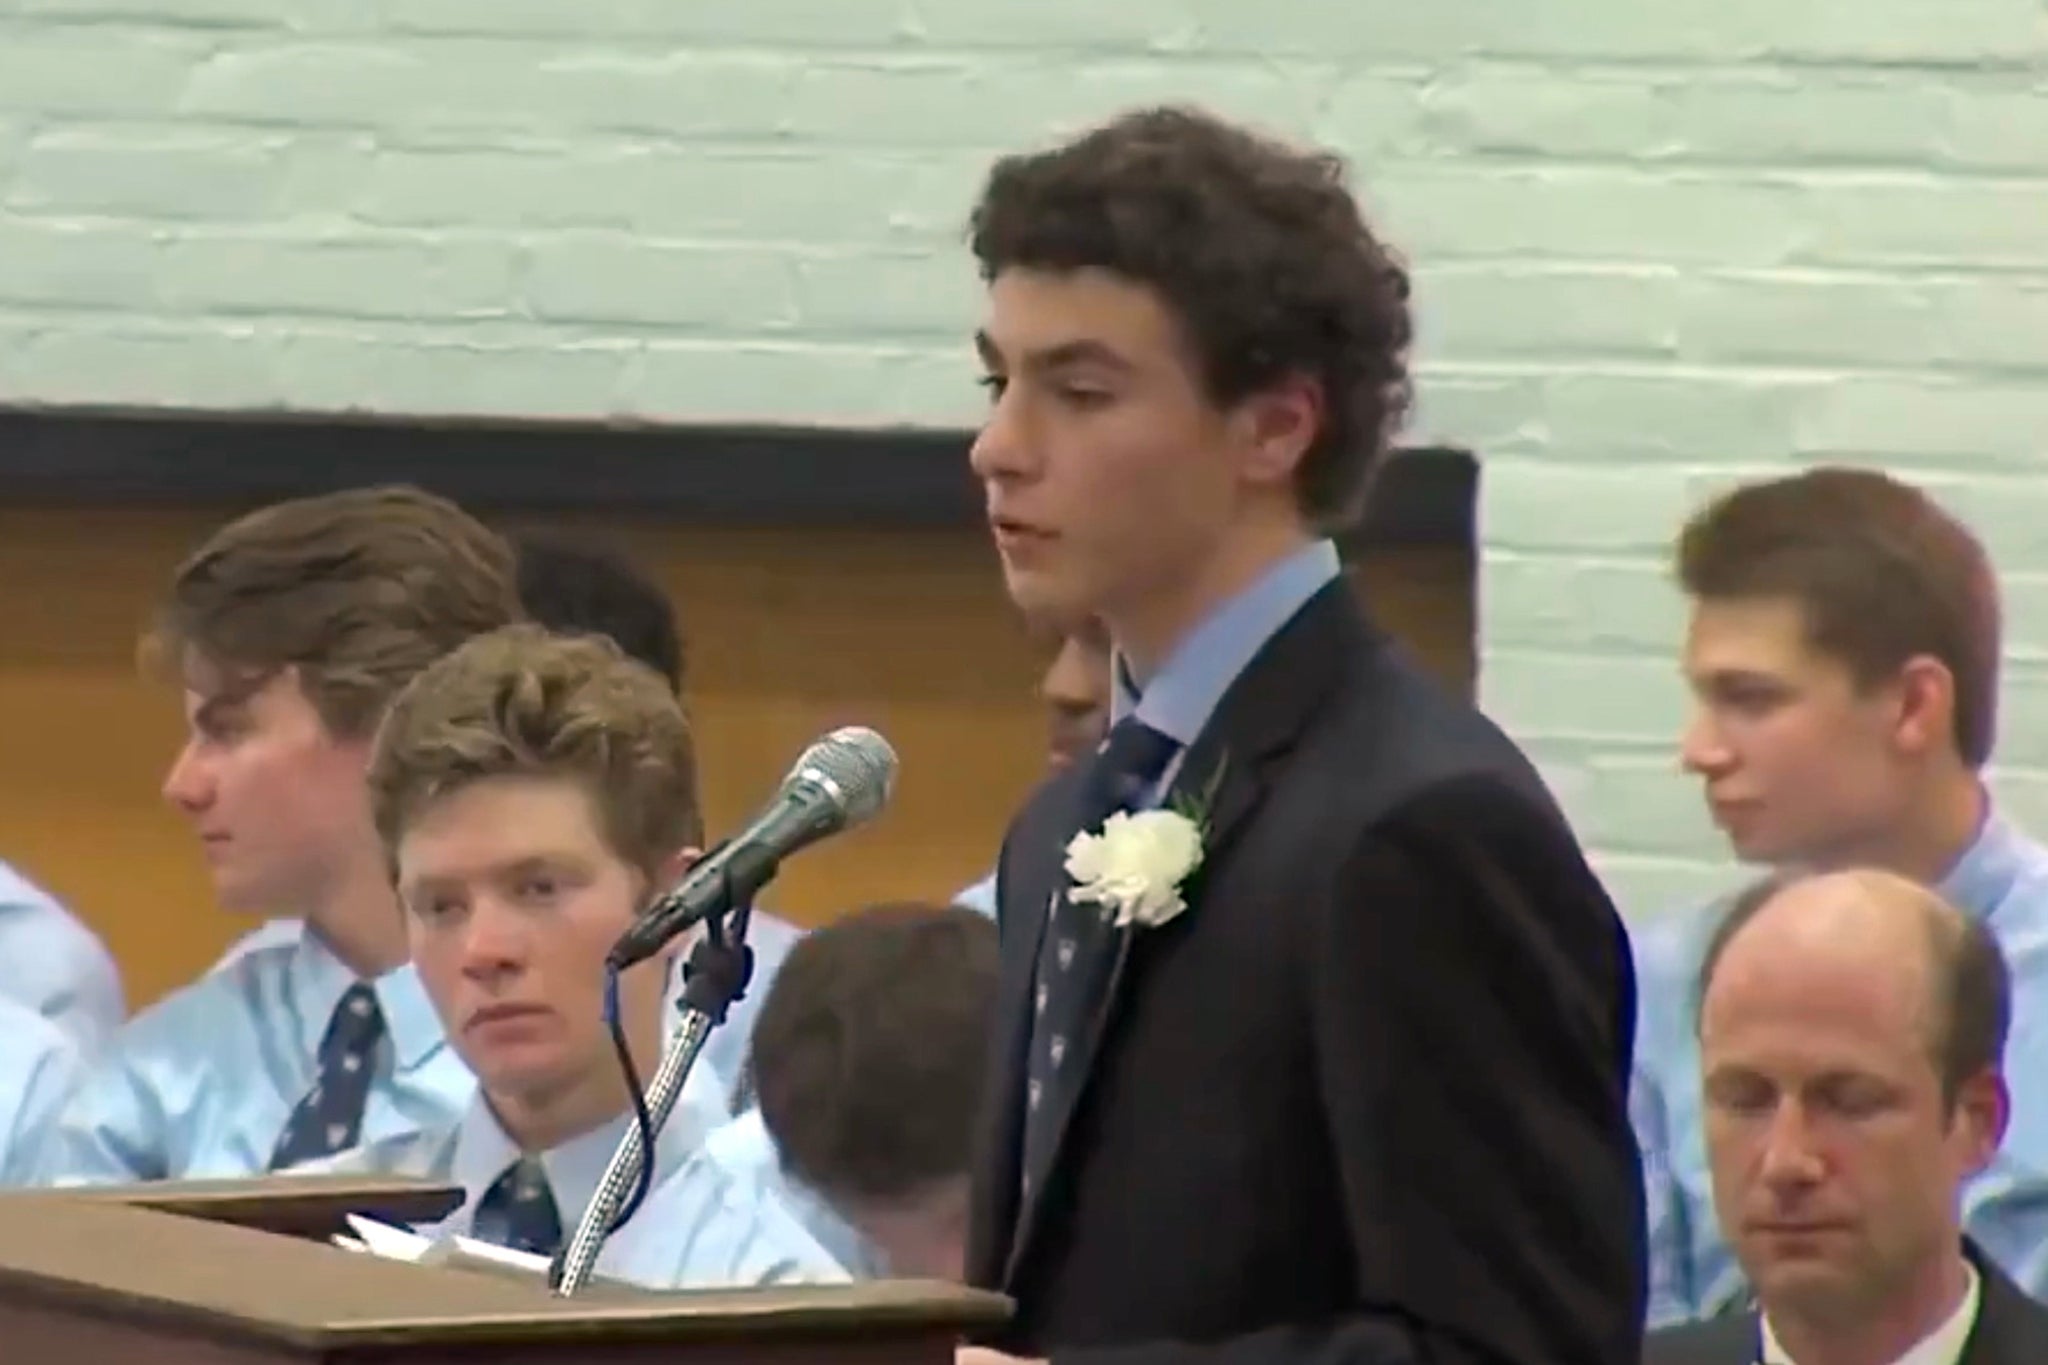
(532, 793)
(1315, 1026)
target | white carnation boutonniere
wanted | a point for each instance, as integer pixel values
(1137, 866)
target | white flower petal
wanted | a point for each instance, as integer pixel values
(1135, 866)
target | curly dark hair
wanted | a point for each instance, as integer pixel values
(1257, 249)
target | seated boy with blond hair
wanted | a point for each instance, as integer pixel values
(532, 793)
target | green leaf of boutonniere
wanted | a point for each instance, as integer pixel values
(1196, 807)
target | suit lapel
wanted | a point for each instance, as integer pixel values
(1222, 777)
(2011, 1328)
(1732, 1339)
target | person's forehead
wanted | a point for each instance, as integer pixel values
(1842, 997)
(1821, 971)
(1035, 315)
(1756, 634)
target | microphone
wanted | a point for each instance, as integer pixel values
(841, 780)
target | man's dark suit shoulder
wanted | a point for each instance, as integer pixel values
(1727, 1340)
(1397, 757)
(1404, 717)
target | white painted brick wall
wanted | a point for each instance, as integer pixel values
(1658, 245)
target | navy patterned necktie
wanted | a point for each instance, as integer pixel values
(329, 1118)
(1079, 947)
(518, 1211)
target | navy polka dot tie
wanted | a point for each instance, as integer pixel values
(1079, 948)
(329, 1118)
(518, 1211)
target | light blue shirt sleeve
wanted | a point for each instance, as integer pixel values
(981, 896)
(40, 1066)
(1663, 1106)
(2005, 1208)
(699, 1228)
(54, 965)
(200, 1084)
(744, 1150)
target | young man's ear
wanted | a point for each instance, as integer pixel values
(1282, 424)
(673, 869)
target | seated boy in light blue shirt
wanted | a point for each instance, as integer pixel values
(575, 586)
(870, 1057)
(39, 1066)
(533, 792)
(289, 630)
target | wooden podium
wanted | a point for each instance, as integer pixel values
(234, 1274)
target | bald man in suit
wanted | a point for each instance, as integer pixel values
(1852, 1029)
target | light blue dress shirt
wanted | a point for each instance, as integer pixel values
(2002, 879)
(54, 965)
(1189, 686)
(701, 1227)
(744, 1151)
(695, 1229)
(725, 1051)
(40, 1066)
(201, 1083)
(981, 896)
(264, 935)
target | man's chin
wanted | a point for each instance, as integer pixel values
(1038, 593)
(522, 1078)
(1760, 851)
(241, 896)
(1814, 1289)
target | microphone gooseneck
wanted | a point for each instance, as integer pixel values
(842, 780)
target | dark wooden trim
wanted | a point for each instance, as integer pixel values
(760, 475)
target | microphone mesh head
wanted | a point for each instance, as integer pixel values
(859, 767)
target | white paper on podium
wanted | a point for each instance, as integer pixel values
(447, 1249)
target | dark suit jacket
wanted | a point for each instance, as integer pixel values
(1365, 1099)
(2011, 1329)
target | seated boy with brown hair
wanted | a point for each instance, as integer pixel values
(870, 1056)
(533, 792)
